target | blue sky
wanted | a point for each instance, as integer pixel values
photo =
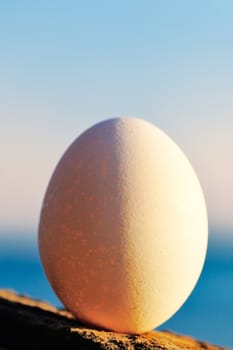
(65, 65)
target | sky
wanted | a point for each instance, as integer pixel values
(66, 65)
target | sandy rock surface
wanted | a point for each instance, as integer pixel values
(26, 323)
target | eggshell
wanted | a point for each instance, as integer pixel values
(123, 228)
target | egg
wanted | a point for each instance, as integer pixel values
(123, 227)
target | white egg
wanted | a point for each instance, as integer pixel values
(123, 228)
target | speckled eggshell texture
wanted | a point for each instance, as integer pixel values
(123, 228)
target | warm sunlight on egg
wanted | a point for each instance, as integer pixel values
(123, 229)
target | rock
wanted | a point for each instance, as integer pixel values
(26, 323)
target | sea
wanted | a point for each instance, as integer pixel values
(206, 315)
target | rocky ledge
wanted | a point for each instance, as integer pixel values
(26, 323)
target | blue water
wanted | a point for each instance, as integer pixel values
(206, 315)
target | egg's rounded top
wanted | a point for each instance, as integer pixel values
(123, 228)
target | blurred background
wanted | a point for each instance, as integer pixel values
(66, 65)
